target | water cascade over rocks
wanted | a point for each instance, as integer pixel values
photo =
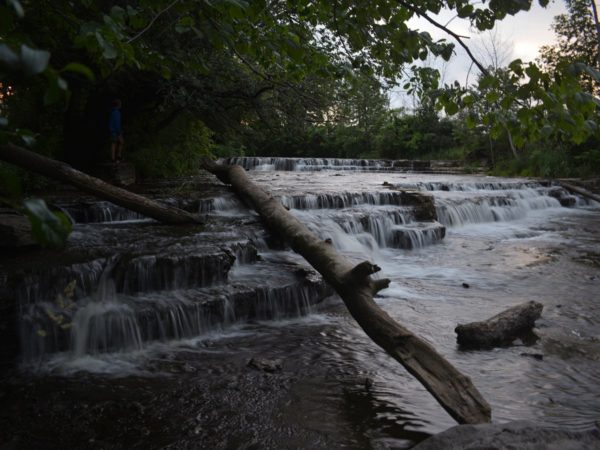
(126, 283)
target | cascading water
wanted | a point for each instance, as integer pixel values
(135, 299)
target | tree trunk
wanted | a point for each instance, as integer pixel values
(501, 329)
(57, 170)
(578, 190)
(513, 149)
(597, 25)
(453, 390)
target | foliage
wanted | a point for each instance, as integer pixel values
(577, 41)
(175, 150)
(291, 77)
(49, 228)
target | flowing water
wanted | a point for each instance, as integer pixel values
(140, 335)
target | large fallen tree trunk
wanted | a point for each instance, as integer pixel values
(453, 390)
(501, 329)
(57, 170)
(581, 191)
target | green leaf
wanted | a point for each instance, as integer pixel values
(546, 131)
(451, 108)
(110, 52)
(465, 11)
(28, 140)
(33, 61)
(470, 121)
(81, 69)
(8, 57)
(48, 228)
(516, 66)
(165, 71)
(27, 136)
(492, 96)
(16, 4)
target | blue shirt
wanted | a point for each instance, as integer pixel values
(114, 121)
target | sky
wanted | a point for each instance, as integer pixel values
(521, 35)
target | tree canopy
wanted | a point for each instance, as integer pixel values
(286, 76)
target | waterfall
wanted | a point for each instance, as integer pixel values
(513, 205)
(320, 164)
(122, 286)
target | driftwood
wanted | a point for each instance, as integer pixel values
(581, 191)
(63, 172)
(501, 329)
(453, 390)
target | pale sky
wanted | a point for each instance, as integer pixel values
(522, 35)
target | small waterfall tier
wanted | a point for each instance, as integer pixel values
(109, 321)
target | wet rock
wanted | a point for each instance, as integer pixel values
(92, 211)
(15, 230)
(537, 356)
(589, 259)
(520, 435)
(466, 285)
(563, 197)
(266, 365)
(423, 204)
(416, 235)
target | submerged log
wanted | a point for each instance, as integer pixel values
(453, 390)
(501, 329)
(579, 190)
(57, 170)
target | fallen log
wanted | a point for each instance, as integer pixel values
(501, 329)
(453, 390)
(57, 170)
(581, 191)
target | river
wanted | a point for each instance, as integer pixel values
(152, 347)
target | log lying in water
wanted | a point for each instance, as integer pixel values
(581, 191)
(501, 329)
(57, 170)
(453, 390)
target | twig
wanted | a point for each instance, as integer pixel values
(160, 13)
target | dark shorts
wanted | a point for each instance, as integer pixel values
(116, 137)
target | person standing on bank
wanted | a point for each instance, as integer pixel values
(116, 131)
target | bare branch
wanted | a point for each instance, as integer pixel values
(457, 37)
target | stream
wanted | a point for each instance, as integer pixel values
(140, 335)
